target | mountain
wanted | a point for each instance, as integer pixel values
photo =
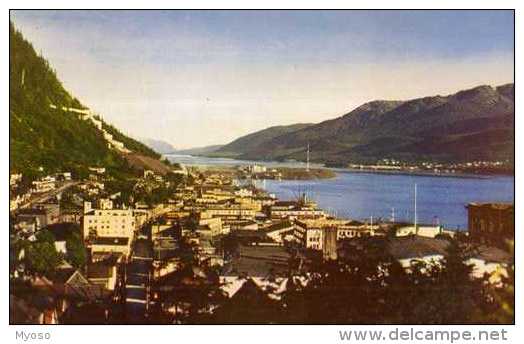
(159, 146)
(199, 150)
(44, 133)
(252, 144)
(474, 124)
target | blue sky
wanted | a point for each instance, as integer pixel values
(194, 78)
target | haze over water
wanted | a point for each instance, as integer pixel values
(360, 195)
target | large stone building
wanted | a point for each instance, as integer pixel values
(491, 223)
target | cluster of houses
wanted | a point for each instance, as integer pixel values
(42, 185)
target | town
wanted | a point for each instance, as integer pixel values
(210, 248)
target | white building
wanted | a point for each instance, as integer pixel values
(424, 231)
(117, 223)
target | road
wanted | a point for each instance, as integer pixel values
(38, 198)
(138, 279)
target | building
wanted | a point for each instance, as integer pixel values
(14, 179)
(329, 245)
(280, 230)
(44, 185)
(118, 223)
(229, 212)
(407, 250)
(423, 230)
(103, 274)
(107, 246)
(98, 170)
(256, 168)
(43, 213)
(491, 223)
(310, 233)
(294, 210)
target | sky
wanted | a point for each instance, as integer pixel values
(196, 78)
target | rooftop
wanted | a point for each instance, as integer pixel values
(119, 241)
(497, 206)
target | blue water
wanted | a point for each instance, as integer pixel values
(360, 195)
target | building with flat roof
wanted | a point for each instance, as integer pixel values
(310, 233)
(108, 222)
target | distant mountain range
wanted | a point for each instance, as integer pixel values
(159, 146)
(475, 124)
(199, 150)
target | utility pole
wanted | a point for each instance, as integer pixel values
(416, 226)
(393, 215)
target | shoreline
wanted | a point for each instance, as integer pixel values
(421, 173)
(317, 166)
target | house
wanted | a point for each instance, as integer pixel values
(44, 185)
(14, 179)
(23, 312)
(280, 230)
(263, 264)
(43, 213)
(250, 304)
(64, 176)
(98, 170)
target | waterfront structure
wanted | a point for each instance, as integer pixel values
(294, 210)
(491, 223)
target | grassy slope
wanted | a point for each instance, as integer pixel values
(50, 138)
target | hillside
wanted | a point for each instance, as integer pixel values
(252, 143)
(475, 124)
(53, 138)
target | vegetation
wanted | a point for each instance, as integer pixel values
(76, 251)
(371, 287)
(41, 256)
(130, 143)
(45, 140)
